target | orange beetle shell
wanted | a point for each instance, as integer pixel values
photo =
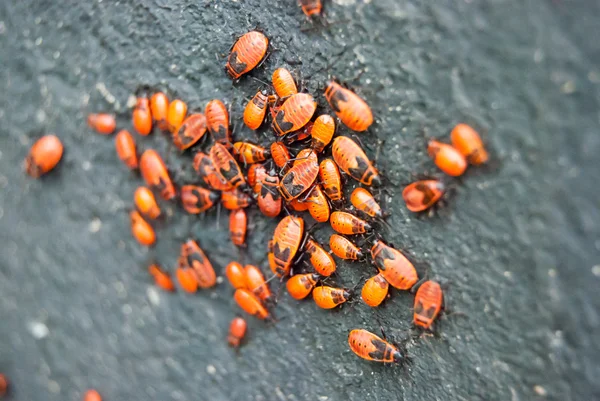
(142, 117)
(300, 285)
(346, 223)
(311, 7)
(343, 248)
(196, 199)
(250, 303)
(269, 199)
(103, 123)
(43, 156)
(318, 206)
(447, 158)
(193, 256)
(155, 173)
(159, 108)
(92, 395)
(372, 348)
(141, 230)
(298, 206)
(281, 155)
(190, 132)
(329, 297)
(125, 145)
(329, 174)
(217, 118)
(362, 200)
(468, 142)
(146, 203)
(322, 132)
(255, 282)
(161, 278)
(286, 240)
(394, 266)
(176, 114)
(226, 166)
(249, 153)
(421, 195)
(294, 113)
(256, 109)
(187, 279)
(428, 304)
(236, 275)
(235, 199)
(375, 290)
(283, 82)
(238, 224)
(256, 173)
(320, 260)
(300, 177)
(354, 162)
(3, 385)
(354, 112)
(237, 331)
(206, 170)
(246, 53)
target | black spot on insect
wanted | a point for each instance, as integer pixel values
(220, 135)
(361, 166)
(336, 97)
(237, 66)
(428, 194)
(339, 296)
(381, 348)
(283, 255)
(283, 125)
(231, 172)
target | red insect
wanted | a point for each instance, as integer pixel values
(92, 395)
(421, 195)
(43, 156)
(354, 162)
(343, 248)
(375, 290)
(320, 260)
(226, 166)
(269, 199)
(354, 112)
(447, 158)
(294, 113)
(393, 266)
(298, 206)
(155, 174)
(283, 82)
(235, 199)
(142, 117)
(103, 123)
(469, 143)
(236, 275)
(250, 303)
(159, 108)
(237, 331)
(125, 145)
(330, 297)
(300, 177)
(246, 53)
(196, 199)
(190, 132)
(318, 205)
(206, 170)
(322, 132)
(141, 230)
(256, 173)
(311, 7)
(238, 224)
(217, 119)
(193, 256)
(176, 114)
(372, 348)
(146, 203)
(346, 223)
(255, 282)
(249, 153)
(3, 385)
(186, 278)
(362, 200)
(161, 278)
(281, 155)
(329, 174)
(300, 285)
(428, 304)
(256, 109)
(286, 242)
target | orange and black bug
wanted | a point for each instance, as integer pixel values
(354, 112)
(206, 170)
(320, 260)
(280, 155)
(237, 331)
(103, 123)
(286, 242)
(196, 199)
(256, 173)
(447, 158)
(428, 304)
(238, 224)
(294, 113)
(217, 118)
(322, 132)
(155, 174)
(347, 223)
(159, 108)
(300, 285)
(193, 256)
(250, 303)
(125, 145)
(256, 283)
(469, 144)
(311, 7)
(421, 195)
(246, 53)
(146, 203)
(329, 174)
(362, 200)
(161, 278)
(343, 248)
(226, 166)
(249, 153)
(187, 278)
(372, 348)
(176, 114)
(300, 177)
(393, 266)
(318, 206)
(298, 206)
(269, 199)
(141, 230)
(142, 117)
(284, 83)
(329, 297)
(235, 199)
(354, 162)
(236, 275)
(375, 290)
(190, 132)
(43, 156)
(256, 109)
